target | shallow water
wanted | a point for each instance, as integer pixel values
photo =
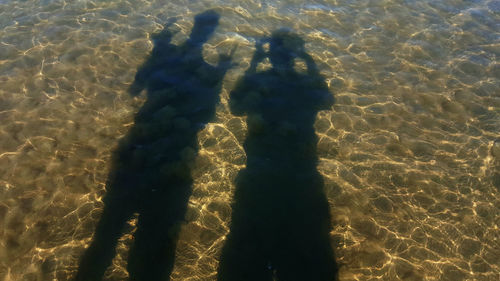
(407, 153)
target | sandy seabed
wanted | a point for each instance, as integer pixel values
(409, 152)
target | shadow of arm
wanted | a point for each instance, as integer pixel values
(324, 99)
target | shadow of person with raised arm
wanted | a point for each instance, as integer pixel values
(280, 221)
(150, 172)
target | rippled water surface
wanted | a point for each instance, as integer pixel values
(409, 152)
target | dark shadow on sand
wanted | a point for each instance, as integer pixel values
(150, 173)
(280, 224)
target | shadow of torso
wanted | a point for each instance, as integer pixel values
(281, 113)
(182, 93)
(281, 143)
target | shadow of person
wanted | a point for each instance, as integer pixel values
(280, 221)
(150, 172)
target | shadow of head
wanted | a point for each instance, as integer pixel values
(284, 47)
(204, 25)
(162, 38)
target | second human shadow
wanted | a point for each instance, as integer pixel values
(280, 223)
(150, 174)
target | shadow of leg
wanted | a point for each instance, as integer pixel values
(152, 255)
(242, 260)
(305, 257)
(101, 251)
(303, 250)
